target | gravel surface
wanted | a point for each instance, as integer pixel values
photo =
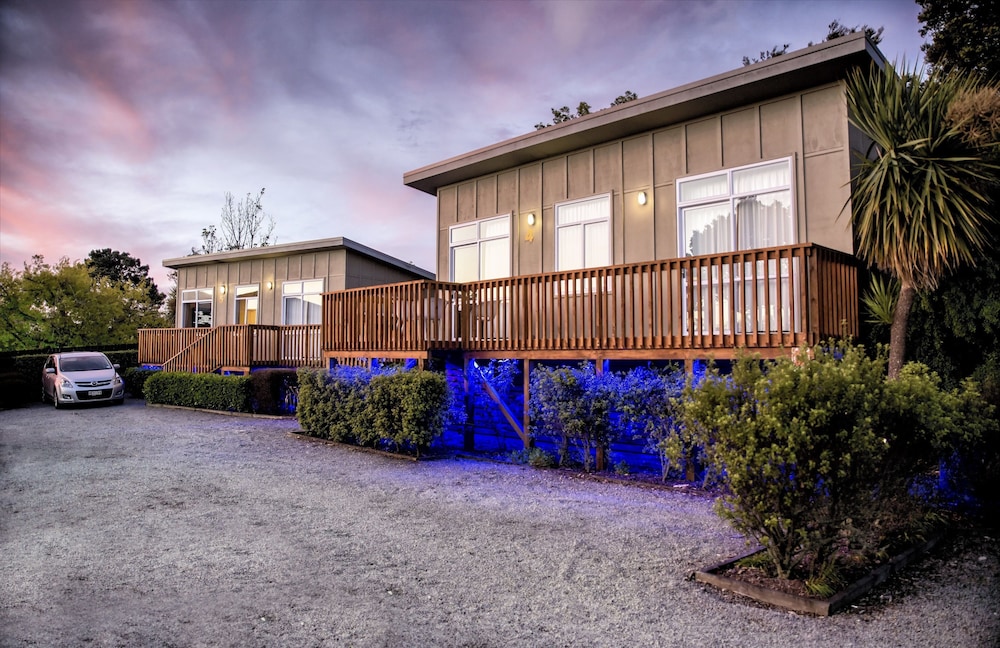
(145, 526)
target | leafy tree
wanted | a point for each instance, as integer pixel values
(833, 30)
(244, 224)
(965, 35)
(766, 54)
(63, 305)
(919, 208)
(124, 269)
(560, 115)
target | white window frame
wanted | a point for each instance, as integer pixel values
(560, 227)
(480, 226)
(730, 198)
(198, 298)
(297, 288)
(783, 280)
(238, 297)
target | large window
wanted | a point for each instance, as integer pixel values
(737, 209)
(480, 250)
(744, 208)
(196, 308)
(302, 302)
(583, 233)
(247, 301)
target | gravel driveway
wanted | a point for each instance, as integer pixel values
(143, 526)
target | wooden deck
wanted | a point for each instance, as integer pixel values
(231, 348)
(769, 301)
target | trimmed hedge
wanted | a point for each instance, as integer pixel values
(205, 391)
(135, 380)
(404, 411)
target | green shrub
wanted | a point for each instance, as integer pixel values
(273, 391)
(405, 410)
(201, 390)
(135, 380)
(820, 456)
(574, 404)
(649, 402)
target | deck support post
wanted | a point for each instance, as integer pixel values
(601, 457)
(469, 431)
(526, 416)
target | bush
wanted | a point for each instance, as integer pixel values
(201, 390)
(649, 404)
(273, 391)
(575, 405)
(135, 380)
(820, 456)
(404, 410)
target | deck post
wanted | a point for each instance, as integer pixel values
(601, 458)
(469, 431)
(527, 395)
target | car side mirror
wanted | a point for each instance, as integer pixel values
(117, 367)
(50, 370)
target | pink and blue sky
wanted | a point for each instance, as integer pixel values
(123, 123)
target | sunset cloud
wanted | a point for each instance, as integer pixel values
(124, 123)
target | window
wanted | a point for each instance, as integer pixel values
(583, 233)
(737, 209)
(744, 208)
(247, 300)
(196, 308)
(480, 250)
(302, 302)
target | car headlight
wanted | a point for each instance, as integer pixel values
(64, 382)
(118, 382)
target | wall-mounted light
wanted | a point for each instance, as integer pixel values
(222, 289)
(642, 197)
(270, 285)
(531, 218)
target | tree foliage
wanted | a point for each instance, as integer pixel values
(560, 115)
(965, 36)
(64, 305)
(833, 30)
(123, 269)
(244, 224)
(921, 208)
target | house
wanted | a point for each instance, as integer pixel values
(241, 309)
(687, 224)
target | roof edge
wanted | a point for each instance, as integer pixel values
(778, 75)
(300, 247)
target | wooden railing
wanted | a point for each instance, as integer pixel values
(763, 299)
(236, 346)
(768, 298)
(411, 316)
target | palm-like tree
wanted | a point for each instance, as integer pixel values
(920, 205)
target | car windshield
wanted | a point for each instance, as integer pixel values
(90, 363)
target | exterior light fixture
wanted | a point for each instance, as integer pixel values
(531, 218)
(270, 285)
(222, 289)
(642, 197)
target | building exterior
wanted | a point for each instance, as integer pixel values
(278, 284)
(687, 224)
(262, 307)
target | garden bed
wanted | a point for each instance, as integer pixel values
(792, 595)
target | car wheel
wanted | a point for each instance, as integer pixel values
(55, 400)
(45, 397)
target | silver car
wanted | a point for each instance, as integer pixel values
(81, 377)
